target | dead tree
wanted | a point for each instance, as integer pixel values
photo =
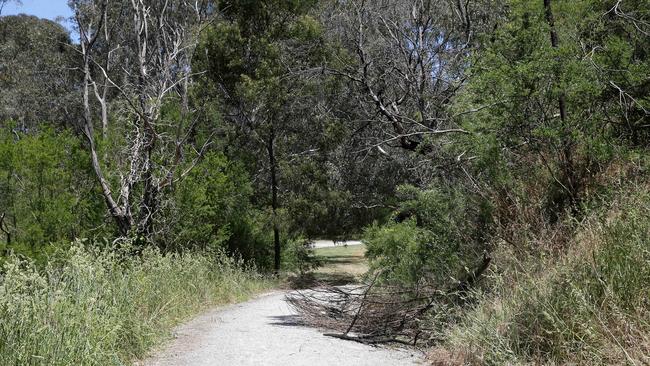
(405, 65)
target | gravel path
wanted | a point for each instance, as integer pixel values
(332, 243)
(263, 331)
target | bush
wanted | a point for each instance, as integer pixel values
(47, 194)
(212, 209)
(591, 307)
(430, 245)
(96, 307)
(299, 256)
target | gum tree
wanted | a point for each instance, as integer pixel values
(152, 42)
(261, 60)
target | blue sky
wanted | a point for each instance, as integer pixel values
(49, 9)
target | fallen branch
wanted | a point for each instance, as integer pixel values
(374, 314)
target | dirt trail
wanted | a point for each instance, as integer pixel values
(264, 331)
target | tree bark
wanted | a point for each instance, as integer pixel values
(5, 229)
(149, 203)
(555, 44)
(274, 200)
(568, 169)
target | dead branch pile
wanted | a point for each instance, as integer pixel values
(371, 313)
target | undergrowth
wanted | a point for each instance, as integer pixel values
(591, 306)
(100, 307)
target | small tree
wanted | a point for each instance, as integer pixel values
(261, 59)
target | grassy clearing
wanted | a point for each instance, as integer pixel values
(589, 307)
(342, 259)
(100, 308)
(338, 265)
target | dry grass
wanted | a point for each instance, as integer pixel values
(337, 266)
(586, 307)
(443, 357)
(342, 260)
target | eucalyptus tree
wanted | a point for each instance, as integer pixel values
(262, 60)
(405, 62)
(139, 52)
(38, 83)
(400, 64)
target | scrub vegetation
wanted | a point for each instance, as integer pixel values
(492, 155)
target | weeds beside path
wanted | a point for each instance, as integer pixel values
(91, 307)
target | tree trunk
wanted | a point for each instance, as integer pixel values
(555, 44)
(122, 220)
(567, 164)
(148, 205)
(5, 229)
(104, 106)
(274, 201)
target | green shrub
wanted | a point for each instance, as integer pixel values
(95, 307)
(47, 194)
(430, 245)
(214, 197)
(212, 209)
(299, 257)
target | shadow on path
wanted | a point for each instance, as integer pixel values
(286, 320)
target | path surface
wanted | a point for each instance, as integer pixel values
(331, 243)
(263, 331)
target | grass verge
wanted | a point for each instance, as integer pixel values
(91, 307)
(589, 307)
(342, 259)
(340, 265)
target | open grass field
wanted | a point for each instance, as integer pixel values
(341, 263)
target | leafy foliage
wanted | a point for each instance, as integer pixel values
(213, 209)
(47, 195)
(36, 73)
(518, 79)
(300, 257)
(430, 246)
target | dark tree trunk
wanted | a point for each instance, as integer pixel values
(5, 229)
(555, 44)
(149, 202)
(274, 200)
(570, 178)
(148, 209)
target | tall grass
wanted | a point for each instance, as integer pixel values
(90, 307)
(589, 307)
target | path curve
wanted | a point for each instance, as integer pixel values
(264, 331)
